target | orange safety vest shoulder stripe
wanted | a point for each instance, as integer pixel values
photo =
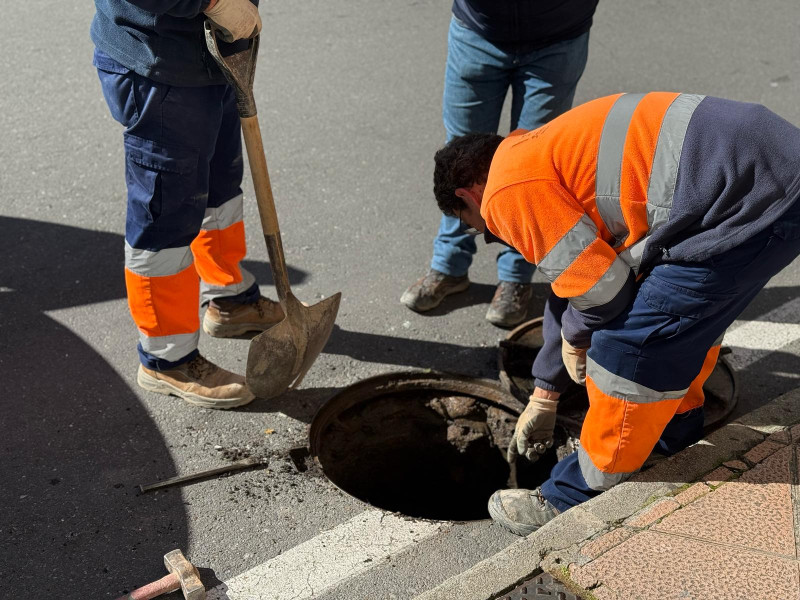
(557, 213)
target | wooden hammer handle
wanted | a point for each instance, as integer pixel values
(165, 585)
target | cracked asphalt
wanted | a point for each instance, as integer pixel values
(349, 97)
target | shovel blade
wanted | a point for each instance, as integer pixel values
(282, 355)
(320, 319)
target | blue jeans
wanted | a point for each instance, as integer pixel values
(477, 78)
(661, 340)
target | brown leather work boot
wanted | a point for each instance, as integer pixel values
(509, 306)
(228, 319)
(429, 291)
(199, 382)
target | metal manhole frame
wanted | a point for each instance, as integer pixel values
(487, 391)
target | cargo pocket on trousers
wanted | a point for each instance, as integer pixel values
(162, 182)
(682, 307)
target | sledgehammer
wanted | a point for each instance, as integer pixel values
(182, 576)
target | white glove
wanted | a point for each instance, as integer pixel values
(236, 18)
(533, 434)
(575, 361)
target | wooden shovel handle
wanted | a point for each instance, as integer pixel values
(266, 203)
(258, 168)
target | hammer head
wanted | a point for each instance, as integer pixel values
(187, 574)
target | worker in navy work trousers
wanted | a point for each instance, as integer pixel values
(659, 216)
(184, 234)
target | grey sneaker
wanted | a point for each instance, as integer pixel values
(509, 306)
(429, 291)
(521, 511)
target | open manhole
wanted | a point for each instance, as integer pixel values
(428, 445)
(520, 347)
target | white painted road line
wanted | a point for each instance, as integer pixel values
(311, 568)
(753, 340)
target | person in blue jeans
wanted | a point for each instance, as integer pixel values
(539, 51)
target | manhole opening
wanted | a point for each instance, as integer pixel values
(426, 453)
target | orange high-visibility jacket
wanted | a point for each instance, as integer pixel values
(617, 184)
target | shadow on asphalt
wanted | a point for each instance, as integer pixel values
(74, 436)
(263, 273)
(406, 352)
(301, 404)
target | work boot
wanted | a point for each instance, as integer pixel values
(224, 318)
(429, 291)
(199, 382)
(521, 511)
(509, 306)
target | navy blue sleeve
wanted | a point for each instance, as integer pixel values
(548, 369)
(174, 8)
(577, 325)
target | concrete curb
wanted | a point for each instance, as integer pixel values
(558, 542)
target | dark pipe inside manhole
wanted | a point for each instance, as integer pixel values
(425, 453)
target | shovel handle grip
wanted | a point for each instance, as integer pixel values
(266, 203)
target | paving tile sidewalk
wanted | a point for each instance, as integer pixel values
(732, 535)
(719, 520)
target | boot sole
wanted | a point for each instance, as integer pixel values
(222, 330)
(151, 384)
(505, 322)
(410, 302)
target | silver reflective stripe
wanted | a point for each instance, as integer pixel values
(170, 347)
(609, 164)
(624, 389)
(633, 255)
(224, 216)
(160, 263)
(595, 478)
(211, 292)
(606, 288)
(568, 248)
(667, 157)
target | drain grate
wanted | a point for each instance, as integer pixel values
(541, 587)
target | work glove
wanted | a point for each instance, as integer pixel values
(575, 361)
(533, 434)
(236, 19)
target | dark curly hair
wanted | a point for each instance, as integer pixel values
(462, 162)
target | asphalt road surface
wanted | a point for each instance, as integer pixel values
(349, 96)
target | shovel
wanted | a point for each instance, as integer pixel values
(280, 357)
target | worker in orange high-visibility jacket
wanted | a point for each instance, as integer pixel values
(659, 217)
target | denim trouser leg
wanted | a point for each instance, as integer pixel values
(477, 77)
(452, 248)
(543, 87)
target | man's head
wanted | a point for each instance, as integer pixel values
(459, 177)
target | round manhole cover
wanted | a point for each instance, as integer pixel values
(426, 445)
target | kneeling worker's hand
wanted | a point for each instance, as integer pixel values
(236, 18)
(533, 434)
(575, 361)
